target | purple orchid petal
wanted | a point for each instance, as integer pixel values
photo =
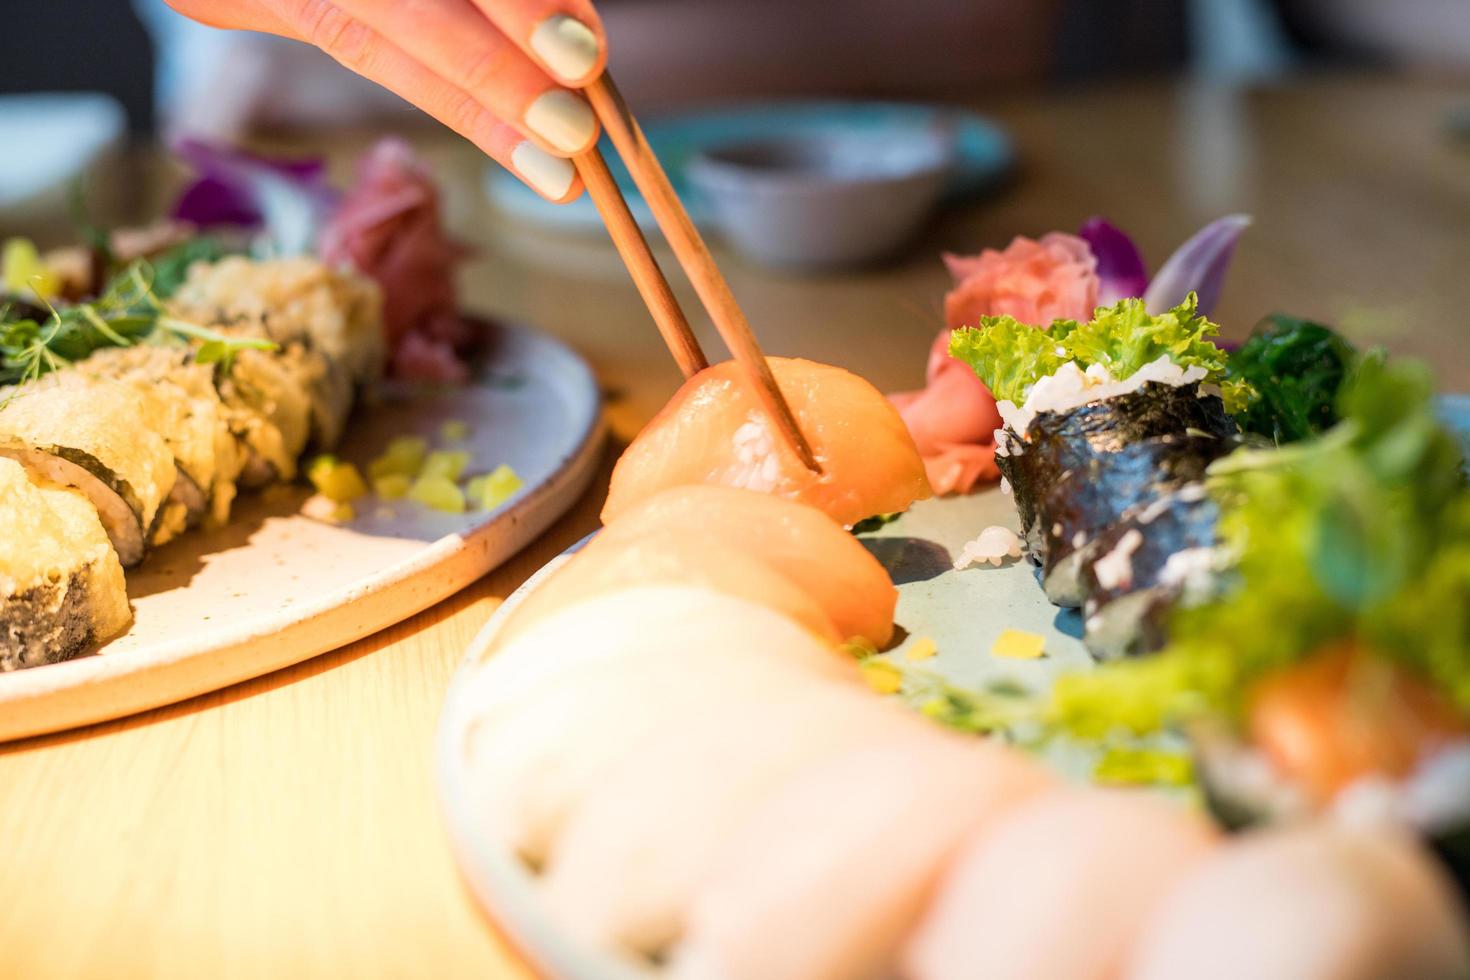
(1199, 266)
(289, 198)
(1120, 268)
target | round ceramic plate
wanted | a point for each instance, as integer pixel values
(274, 587)
(963, 612)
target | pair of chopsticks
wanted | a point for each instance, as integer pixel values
(690, 250)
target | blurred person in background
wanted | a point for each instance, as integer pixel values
(680, 52)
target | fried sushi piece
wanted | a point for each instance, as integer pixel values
(669, 537)
(1315, 901)
(84, 432)
(269, 411)
(192, 419)
(1090, 866)
(61, 585)
(714, 430)
(337, 313)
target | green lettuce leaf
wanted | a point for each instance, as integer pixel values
(1361, 535)
(1010, 356)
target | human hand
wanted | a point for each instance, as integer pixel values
(501, 73)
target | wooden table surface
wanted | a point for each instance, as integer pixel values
(288, 826)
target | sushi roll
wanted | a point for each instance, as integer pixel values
(269, 411)
(828, 877)
(61, 585)
(1057, 443)
(190, 417)
(714, 431)
(1314, 901)
(1059, 889)
(83, 432)
(335, 313)
(1085, 503)
(806, 556)
(1138, 568)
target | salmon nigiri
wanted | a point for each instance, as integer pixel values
(637, 851)
(1083, 867)
(826, 879)
(716, 537)
(582, 689)
(714, 431)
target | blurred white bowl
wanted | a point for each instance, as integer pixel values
(827, 199)
(59, 138)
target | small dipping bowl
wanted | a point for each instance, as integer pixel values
(824, 200)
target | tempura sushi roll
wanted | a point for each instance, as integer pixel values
(61, 586)
(269, 411)
(87, 433)
(190, 417)
(334, 312)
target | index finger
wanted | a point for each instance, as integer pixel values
(563, 36)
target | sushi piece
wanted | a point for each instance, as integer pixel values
(61, 585)
(189, 416)
(829, 876)
(334, 312)
(1140, 567)
(668, 538)
(714, 431)
(1085, 503)
(581, 689)
(1059, 889)
(1057, 443)
(85, 433)
(638, 849)
(1314, 901)
(269, 411)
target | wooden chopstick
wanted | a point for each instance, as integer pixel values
(694, 256)
(642, 266)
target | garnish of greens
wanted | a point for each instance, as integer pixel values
(1294, 368)
(874, 523)
(1361, 535)
(128, 312)
(1010, 356)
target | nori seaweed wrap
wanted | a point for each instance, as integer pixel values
(61, 585)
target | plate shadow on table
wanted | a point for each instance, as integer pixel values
(910, 559)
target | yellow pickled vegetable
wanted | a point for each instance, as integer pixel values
(922, 649)
(438, 493)
(882, 676)
(455, 430)
(404, 457)
(448, 463)
(391, 486)
(336, 480)
(1018, 645)
(25, 272)
(492, 489)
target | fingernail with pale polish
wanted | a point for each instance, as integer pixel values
(550, 175)
(562, 119)
(567, 45)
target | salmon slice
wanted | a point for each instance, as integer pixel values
(584, 688)
(637, 851)
(714, 431)
(1314, 900)
(827, 878)
(785, 555)
(1059, 889)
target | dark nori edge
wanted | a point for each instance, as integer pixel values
(32, 635)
